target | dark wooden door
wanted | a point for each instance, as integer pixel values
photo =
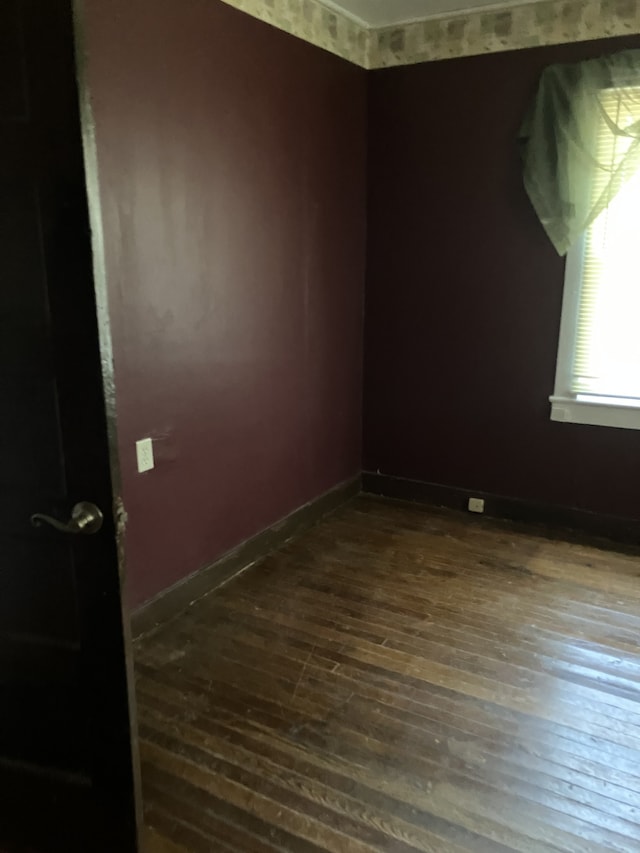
(66, 768)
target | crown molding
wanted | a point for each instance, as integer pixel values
(537, 24)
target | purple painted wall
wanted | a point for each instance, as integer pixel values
(464, 294)
(232, 174)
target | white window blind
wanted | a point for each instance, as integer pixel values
(606, 359)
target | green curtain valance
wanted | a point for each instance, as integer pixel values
(569, 174)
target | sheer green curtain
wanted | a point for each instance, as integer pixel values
(569, 174)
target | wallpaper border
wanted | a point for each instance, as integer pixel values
(536, 24)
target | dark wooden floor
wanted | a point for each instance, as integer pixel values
(400, 679)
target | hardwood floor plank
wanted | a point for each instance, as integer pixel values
(378, 826)
(260, 798)
(574, 769)
(153, 842)
(605, 715)
(599, 811)
(541, 735)
(403, 680)
(215, 820)
(614, 675)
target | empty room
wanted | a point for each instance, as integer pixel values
(320, 474)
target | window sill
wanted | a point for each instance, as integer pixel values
(620, 414)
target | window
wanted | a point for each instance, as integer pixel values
(598, 367)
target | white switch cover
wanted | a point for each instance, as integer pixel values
(144, 453)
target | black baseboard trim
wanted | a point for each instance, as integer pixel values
(616, 529)
(178, 597)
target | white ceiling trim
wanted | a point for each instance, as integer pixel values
(375, 14)
(480, 30)
(342, 10)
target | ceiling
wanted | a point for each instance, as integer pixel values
(383, 13)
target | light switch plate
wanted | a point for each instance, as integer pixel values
(144, 454)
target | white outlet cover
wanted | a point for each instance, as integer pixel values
(144, 455)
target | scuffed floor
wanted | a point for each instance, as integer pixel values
(400, 679)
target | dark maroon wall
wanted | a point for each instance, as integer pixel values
(464, 295)
(232, 175)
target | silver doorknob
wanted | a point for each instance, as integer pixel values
(85, 518)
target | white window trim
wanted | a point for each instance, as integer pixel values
(566, 406)
(614, 414)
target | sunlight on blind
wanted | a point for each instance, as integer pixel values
(607, 354)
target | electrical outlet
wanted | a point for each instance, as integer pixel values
(476, 505)
(144, 454)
